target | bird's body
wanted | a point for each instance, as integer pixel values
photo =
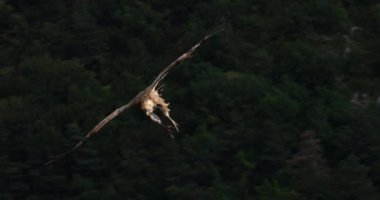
(148, 100)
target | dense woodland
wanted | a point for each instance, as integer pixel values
(282, 105)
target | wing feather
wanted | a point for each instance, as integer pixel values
(184, 56)
(93, 131)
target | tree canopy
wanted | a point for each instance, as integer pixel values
(283, 104)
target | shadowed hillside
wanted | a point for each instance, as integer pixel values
(283, 104)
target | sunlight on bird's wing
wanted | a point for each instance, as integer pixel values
(100, 125)
(184, 56)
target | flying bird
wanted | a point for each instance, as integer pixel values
(148, 100)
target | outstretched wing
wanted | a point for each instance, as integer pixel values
(93, 131)
(184, 56)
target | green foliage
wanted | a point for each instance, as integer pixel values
(278, 70)
(351, 180)
(270, 190)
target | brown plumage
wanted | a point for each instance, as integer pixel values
(148, 100)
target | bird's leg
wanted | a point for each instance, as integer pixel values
(157, 120)
(154, 117)
(170, 132)
(157, 101)
(175, 124)
(149, 106)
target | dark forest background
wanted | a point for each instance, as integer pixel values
(283, 104)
